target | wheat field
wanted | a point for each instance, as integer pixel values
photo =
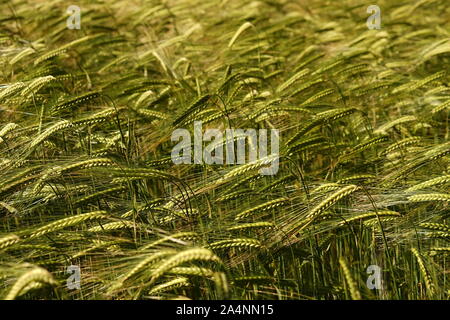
(86, 175)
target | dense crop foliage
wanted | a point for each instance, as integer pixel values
(86, 178)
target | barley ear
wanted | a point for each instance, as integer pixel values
(22, 285)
